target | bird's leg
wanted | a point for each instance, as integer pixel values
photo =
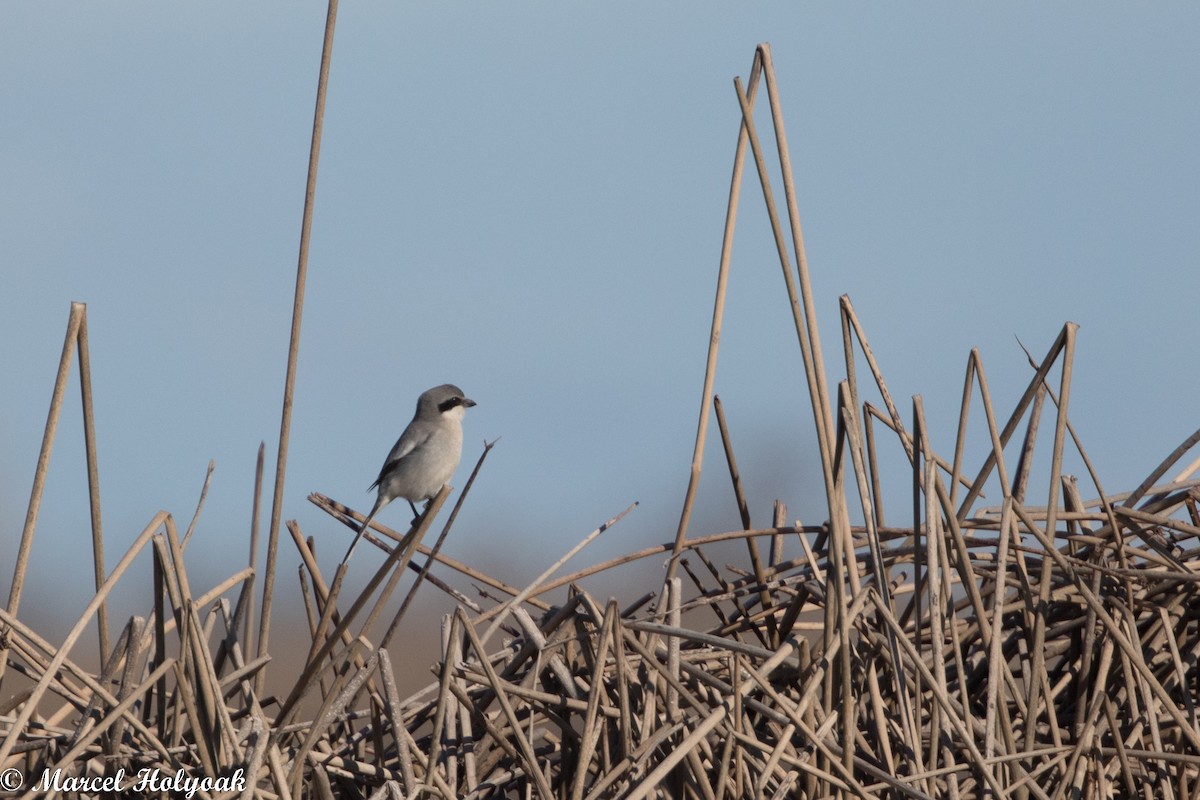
(416, 514)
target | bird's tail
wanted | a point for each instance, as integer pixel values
(379, 503)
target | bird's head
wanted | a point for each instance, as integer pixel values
(443, 401)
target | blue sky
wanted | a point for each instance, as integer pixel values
(527, 200)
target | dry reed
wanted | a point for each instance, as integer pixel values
(1018, 650)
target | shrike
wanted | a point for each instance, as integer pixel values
(426, 454)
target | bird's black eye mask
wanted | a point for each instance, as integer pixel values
(446, 405)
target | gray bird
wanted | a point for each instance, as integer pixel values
(426, 454)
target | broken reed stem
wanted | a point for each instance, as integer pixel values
(820, 400)
(824, 432)
(74, 320)
(244, 611)
(289, 386)
(1014, 419)
(93, 470)
(1162, 468)
(744, 511)
(501, 611)
(734, 475)
(714, 338)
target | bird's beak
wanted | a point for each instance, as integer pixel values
(468, 402)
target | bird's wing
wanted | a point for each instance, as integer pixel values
(413, 437)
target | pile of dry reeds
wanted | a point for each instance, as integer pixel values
(1027, 650)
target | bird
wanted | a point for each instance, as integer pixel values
(425, 456)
